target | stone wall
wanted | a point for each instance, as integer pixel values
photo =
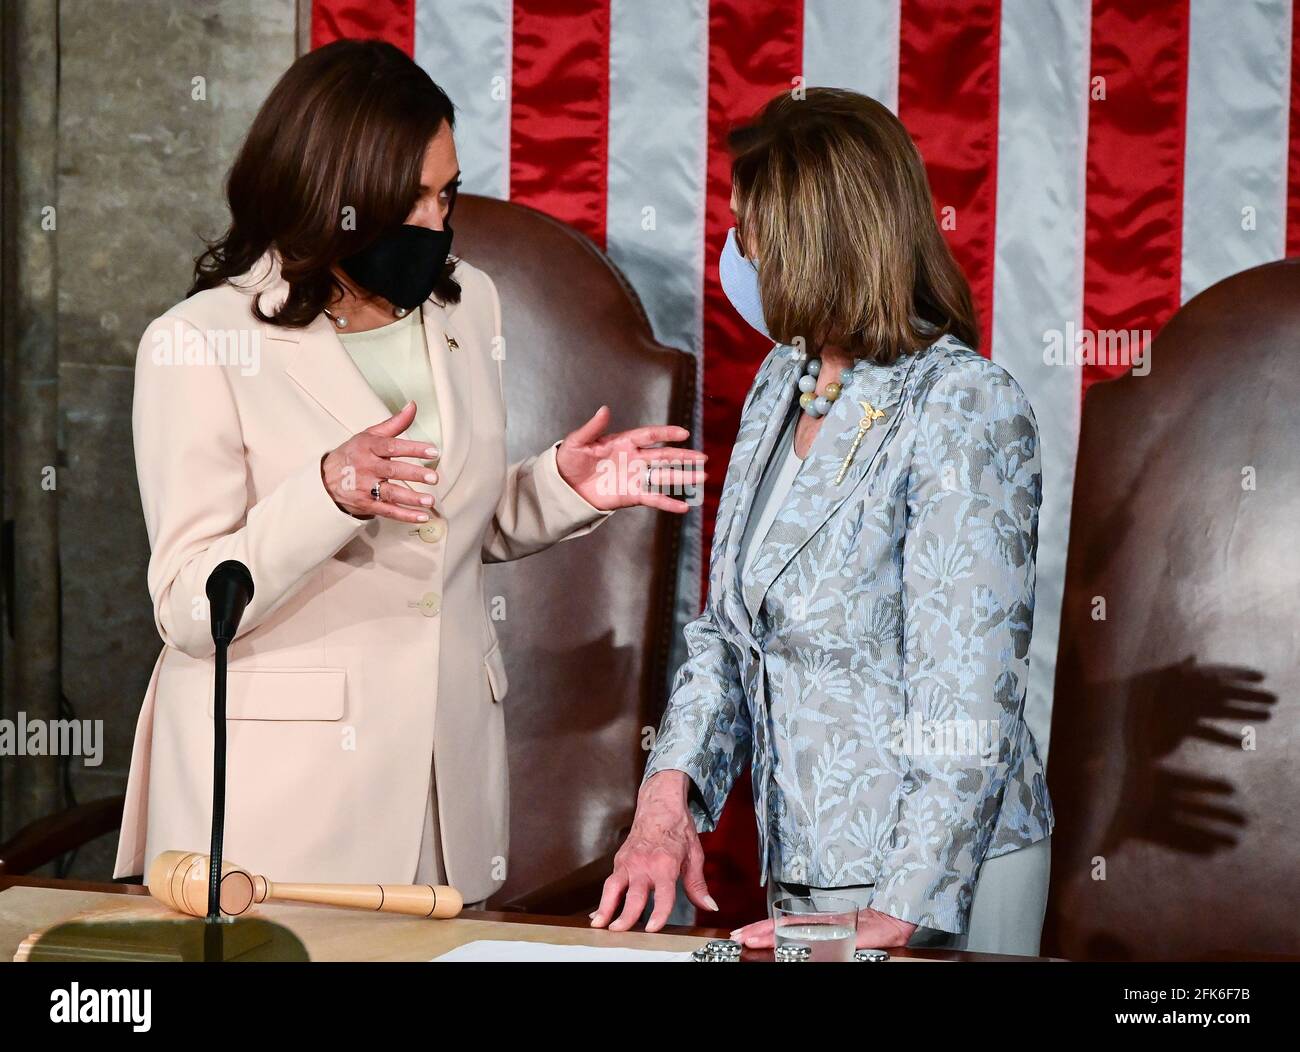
(149, 101)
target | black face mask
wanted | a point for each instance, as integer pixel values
(403, 265)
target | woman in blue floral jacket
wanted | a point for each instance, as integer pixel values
(864, 648)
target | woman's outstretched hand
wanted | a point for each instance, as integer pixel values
(629, 468)
(876, 931)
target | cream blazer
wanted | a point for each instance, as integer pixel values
(367, 651)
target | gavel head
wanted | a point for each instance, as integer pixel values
(179, 879)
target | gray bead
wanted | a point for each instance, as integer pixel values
(822, 404)
(807, 383)
(814, 366)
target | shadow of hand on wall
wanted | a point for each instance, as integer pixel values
(1164, 708)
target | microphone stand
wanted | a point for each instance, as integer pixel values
(229, 590)
(213, 933)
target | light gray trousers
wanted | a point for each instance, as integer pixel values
(1006, 914)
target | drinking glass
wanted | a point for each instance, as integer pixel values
(827, 925)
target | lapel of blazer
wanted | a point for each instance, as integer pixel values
(814, 496)
(453, 380)
(769, 407)
(317, 361)
(315, 358)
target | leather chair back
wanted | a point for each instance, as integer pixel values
(1176, 721)
(585, 627)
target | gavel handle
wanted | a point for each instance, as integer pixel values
(413, 900)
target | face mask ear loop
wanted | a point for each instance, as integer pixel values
(743, 249)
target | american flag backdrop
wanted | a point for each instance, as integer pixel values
(1095, 163)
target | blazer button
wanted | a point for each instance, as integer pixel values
(432, 531)
(430, 604)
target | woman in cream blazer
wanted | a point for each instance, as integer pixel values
(366, 660)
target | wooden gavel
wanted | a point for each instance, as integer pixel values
(179, 880)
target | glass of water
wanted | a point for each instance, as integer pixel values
(827, 925)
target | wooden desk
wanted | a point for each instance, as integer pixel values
(29, 904)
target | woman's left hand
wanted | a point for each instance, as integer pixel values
(629, 468)
(876, 931)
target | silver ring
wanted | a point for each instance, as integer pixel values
(649, 481)
(375, 492)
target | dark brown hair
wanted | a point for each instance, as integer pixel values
(832, 200)
(345, 127)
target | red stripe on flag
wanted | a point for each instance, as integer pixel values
(948, 99)
(1293, 165)
(391, 20)
(1134, 214)
(559, 117)
(755, 51)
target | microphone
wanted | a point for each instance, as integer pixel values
(230, 590)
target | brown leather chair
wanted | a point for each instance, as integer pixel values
(588, 624)
(1185, 525)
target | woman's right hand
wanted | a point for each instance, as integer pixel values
(350, 471)
(662, 845)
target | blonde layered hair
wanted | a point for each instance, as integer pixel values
(832, 200)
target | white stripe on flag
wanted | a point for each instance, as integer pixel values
(658, 99)
(466, 48)
(1235, 172)
(853, 44)
(654, 226)
(1038, 276)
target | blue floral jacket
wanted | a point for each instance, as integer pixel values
(878, 695)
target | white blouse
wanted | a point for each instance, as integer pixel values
(395, 362)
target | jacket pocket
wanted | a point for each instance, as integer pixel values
(283, 694)
(496, 672)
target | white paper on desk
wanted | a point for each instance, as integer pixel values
(549, 952)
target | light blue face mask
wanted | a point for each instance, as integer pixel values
(739, 278)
